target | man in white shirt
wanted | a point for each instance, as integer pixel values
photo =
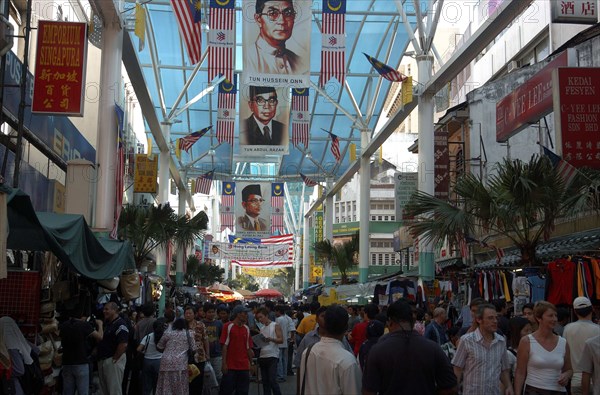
(590, 365)
(287, 326)
(577, 333)
(327, 367)
(269, 55)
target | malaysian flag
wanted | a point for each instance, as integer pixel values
(277, 196)
(120, 170)
(281, 239)
(564, 169)
(308, 181)
(333, 37)
(227, 203)
(226, 111)
(300, 117)
(335, 147)
(385, 71)
(221, 39)
(185, 143)
(189, 20)
(204, 182)
(463, 246)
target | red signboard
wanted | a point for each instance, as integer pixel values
(60, 68)
(577, 115)
(441, 161)
(528, 103)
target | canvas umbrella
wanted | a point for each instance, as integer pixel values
(268, 293)
(222, 288)
(246, 294)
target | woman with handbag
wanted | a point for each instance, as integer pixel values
(152, 357)
(199, 337)
(177, 348)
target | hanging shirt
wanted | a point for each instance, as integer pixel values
(538, 288)
(561, 273)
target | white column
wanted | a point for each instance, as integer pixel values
(426, 158)
(328, 230)
(106, 143)
(363, 210)
(181, 257)
(163, 197)
(305, 250)
(297, 261)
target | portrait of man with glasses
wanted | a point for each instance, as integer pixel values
(268, 54)
(252, 202)
(260, 128)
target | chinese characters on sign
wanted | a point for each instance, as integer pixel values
(318, 226)
(60, 68)
(577, 115)
(406, 185)
(146, 172)
(575, 11)
(441, 159)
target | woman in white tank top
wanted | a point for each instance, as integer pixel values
(543, 361)
(269, 354)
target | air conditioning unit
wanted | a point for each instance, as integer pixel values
(6, 35)
(513, 65)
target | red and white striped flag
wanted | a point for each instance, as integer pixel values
(120, 172)
(335, 147)
(226, 112)
(281, 239)
(204, 182)
(221, 39)
(300, 117)
(308, 181)
(227, 203)
(277, 200)
(333, 51)
(189, 20)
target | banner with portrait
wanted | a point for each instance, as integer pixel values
(264, 121)
(276, 253)
(253, 209)
(276, 42)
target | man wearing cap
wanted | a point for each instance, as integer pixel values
(252, 202)
(260, 128)
(237, 353)
(275, 20)
(576, 334)
(404, 362)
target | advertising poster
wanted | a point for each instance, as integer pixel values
(145, 175)
(275, 253)
(276, 43)
(60, 68)
(252, 209)
(264, 121)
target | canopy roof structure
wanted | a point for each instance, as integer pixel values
(375, 27)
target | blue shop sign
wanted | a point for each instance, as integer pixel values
(57, 132)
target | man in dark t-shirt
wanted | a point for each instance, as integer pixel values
(403, 362)
(111, 350)
(75, 367)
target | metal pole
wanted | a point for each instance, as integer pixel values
(22, 104)
(180, 251)
(163, 198)
(364, 209)
(329, 230)
(305, 249)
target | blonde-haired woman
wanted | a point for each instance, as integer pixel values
(543, 361)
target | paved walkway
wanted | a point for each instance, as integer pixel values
(287, 388)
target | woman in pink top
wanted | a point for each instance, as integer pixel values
(543, 361)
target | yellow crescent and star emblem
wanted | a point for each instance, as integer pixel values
(228, 189)
(333, 7)
(277, 190)
(222, 3)
(226, 86)
(300, 91)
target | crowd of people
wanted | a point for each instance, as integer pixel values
(398, 349)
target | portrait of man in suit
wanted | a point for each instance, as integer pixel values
(260, 128)
(252, 201)
(268, 54)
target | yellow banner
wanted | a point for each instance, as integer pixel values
(146, 173)
(352, 148)
(256, 272)
(407, 91)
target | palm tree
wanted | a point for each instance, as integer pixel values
(521, 201)
(343, 255)
(202, 274)
(148, 227)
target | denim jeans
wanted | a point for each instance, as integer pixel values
(282, 364)
(235, 381)
(268, 373)
(76, 377)
(150, 375)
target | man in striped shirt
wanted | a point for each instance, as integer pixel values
(481, 357)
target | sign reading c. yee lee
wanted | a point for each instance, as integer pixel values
(60, 68)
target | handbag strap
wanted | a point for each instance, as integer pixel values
(305, 366)
(187, 331)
